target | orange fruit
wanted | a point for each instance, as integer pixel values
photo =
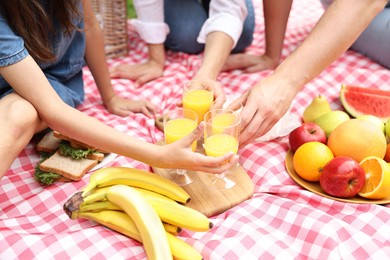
(387, 155)
(377, 184)
(357, 139)
(309, 160)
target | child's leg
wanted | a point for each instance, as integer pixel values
(18, 123)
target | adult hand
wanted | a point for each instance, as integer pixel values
(250, 63)
(141, 73)
(180, 156)
(263, 106)
(123, 107)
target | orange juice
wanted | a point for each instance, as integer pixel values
(221, 121)
(176, 129)
(199, 101)
(220, 144)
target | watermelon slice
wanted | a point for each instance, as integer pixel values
(359, 101)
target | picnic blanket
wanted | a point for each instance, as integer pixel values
(282, 220)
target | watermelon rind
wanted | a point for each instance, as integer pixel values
(358, 101)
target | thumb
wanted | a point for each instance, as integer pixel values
(195, 135)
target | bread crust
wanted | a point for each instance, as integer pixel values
(67, 167)
(49, 143)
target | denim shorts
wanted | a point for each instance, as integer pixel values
(64, 74)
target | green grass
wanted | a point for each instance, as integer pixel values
(130, 9)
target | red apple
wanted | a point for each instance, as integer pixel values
(307, 132)
(342, 177)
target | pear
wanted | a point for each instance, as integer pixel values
(318, 106)
(329, 121)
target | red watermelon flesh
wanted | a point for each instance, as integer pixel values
(359, 101)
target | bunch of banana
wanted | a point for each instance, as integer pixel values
(143, 206)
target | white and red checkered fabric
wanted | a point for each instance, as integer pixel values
(282, 220)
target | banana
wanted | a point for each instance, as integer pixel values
(109, 206)
(167, 209)
(181, 249)
(122, 223)
(136, 178)
(177, 214)
(99, 206)
(116, 220)
(174, 230)
(147, 221)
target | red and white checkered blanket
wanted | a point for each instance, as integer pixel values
(282, 220)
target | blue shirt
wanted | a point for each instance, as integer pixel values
(64, 74)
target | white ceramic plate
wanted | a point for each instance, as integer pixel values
(107, 159)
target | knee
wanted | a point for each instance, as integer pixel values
(184, 41)
(21, 117)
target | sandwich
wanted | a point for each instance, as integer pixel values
(64, 159)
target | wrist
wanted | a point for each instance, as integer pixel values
(157, 54)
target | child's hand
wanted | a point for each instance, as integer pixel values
(179, 155)
(123, 107)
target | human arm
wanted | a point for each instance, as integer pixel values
(337, 29)
(152, 29)
(96, 61)
(219, 40)
(276, 13)
(34, 87)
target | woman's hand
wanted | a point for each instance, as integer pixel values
(179, 155)
(123, 107)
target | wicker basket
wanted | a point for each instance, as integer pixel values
(112, 15)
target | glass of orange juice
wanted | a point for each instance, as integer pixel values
(198, 95)
(178, 123)
(221, 133)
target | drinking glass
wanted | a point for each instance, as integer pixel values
(198, 95)
(221, 133)
(178, 123)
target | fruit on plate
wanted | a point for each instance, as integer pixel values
(307, 132)
(387, 128)
(329, 121)
(318, 106)
(377, 184)
(342, 177)
(359, 101)
(357, 139)
(373, 119)
(387, 154)
(309, 160)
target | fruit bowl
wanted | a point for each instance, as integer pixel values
(316, 188)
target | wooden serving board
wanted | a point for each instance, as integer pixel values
(208, 200)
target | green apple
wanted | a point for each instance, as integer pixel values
(329, 121)
(373, 119)
(388, 128)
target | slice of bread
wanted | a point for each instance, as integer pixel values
(69, 168)
(96, 156)
(49, 143)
